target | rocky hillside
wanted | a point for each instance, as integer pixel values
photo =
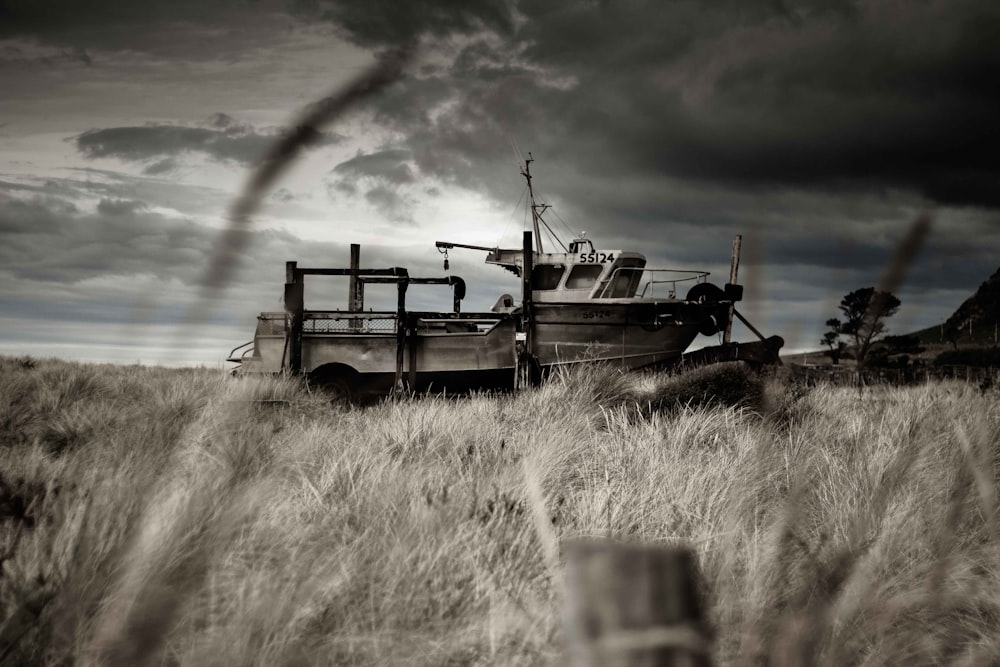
(975, 322)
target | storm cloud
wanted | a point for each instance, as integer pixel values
(819, 129)
(182, 29)
(225, 140)
(384, 178)
(380, 23)
(819, 95)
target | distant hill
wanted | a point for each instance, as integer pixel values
(976, 322)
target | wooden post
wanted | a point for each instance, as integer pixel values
(527, 310)
(411, 335)
(352, 295)
(356, 288)
(401, 328)
(634, 605)
(734, 267)
(295, 310)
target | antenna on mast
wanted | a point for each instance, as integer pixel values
(536, 209)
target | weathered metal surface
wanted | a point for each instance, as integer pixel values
(578, 306)
(756, 353)
(439, 347)
(630, 332)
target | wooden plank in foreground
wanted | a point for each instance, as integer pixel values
(635, 605)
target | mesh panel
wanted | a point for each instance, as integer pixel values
(351, 325)
(270, 325)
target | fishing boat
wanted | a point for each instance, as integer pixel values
(579, 303)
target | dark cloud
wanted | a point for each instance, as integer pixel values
(826, 96)
(391, 203)
(68, 263)
(225, 140)
(120, 206)
(89, 184)
(13, 54)
(381, 23)
(48, 16)
(185, 29)
(383, 177)
(65, 244)
(391, 166)
(34, 216)
(148, 142)
(164, 166)
(225, 121)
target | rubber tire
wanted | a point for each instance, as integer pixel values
(706, 293)
(339, 391)
(709, 326)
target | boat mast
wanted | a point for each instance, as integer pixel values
(536, 209)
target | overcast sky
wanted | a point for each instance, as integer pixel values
(818, 129)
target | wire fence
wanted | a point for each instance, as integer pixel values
(854, 377)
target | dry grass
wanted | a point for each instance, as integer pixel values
(183, 517)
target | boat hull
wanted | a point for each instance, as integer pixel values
(629, 335)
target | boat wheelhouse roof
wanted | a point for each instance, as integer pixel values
(581, 272)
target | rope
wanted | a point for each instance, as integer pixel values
(513, 212)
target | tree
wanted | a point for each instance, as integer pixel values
(864, 312)
(832, 340)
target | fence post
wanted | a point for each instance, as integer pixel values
(355, 288)
(734, 266)
(630, 604)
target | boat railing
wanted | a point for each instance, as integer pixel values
(668, 277)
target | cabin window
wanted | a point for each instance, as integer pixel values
(546, 276)
(583, 276)
(624, 284)
(624, 280)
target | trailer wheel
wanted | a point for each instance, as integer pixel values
(338, 382)
(338, 390)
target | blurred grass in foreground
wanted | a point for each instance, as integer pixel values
(185, 517)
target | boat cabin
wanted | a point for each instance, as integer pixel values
(581, 274)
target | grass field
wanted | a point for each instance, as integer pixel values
(186, 517)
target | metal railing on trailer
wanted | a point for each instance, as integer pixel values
(247, 348)
(405, 325)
